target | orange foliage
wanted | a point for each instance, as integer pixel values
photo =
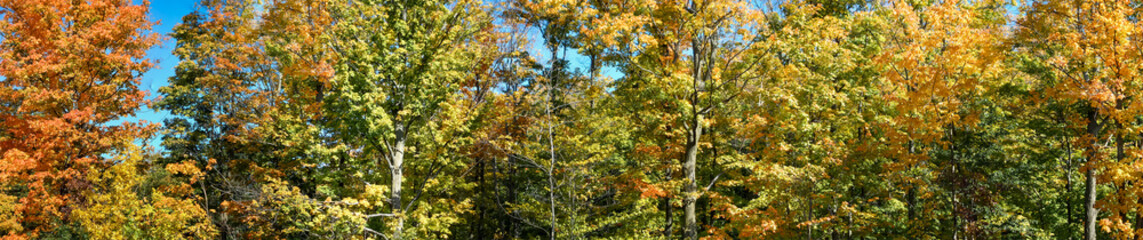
(68, 70)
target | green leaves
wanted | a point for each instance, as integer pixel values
(400, 64)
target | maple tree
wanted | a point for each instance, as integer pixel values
(69, 72)
(939, 69)
(687, 60)
(1088, 47)
(804, 132)
(392, 109)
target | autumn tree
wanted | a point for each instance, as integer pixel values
(807, 138)
(392, 108)
(687, 61)
(245, 98)
(550, 130)
(1090, 50)
(69, 71)
(941, 60)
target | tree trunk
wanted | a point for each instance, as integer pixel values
(1138, 214)
(1139, 219)
(1068, 187)
(552, 200)
(698, 82)
(670, 211)
(955, 185)
(689, 167)
(551, 165)
(396, 167)
(810, 212)
(1093, 128)
(1092, 212)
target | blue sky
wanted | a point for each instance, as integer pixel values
(168, 13)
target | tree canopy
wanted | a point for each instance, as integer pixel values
(575, 119)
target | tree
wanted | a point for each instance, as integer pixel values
(942, 60)
(68, 71)
(391, 102)
(690, 59)
(1090, 49)
(247, 98)
(806, 142)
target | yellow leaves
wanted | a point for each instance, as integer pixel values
(404, 113)
(281, 210)
(435, 216)
(707, 122)
(9, 214)
(376, 193)
(356, 202)
(187, 168)
(1091, 59)
(116, 211)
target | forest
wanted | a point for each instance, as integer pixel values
(574, 119)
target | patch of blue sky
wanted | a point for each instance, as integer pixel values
(577, 62)
(168, 14)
